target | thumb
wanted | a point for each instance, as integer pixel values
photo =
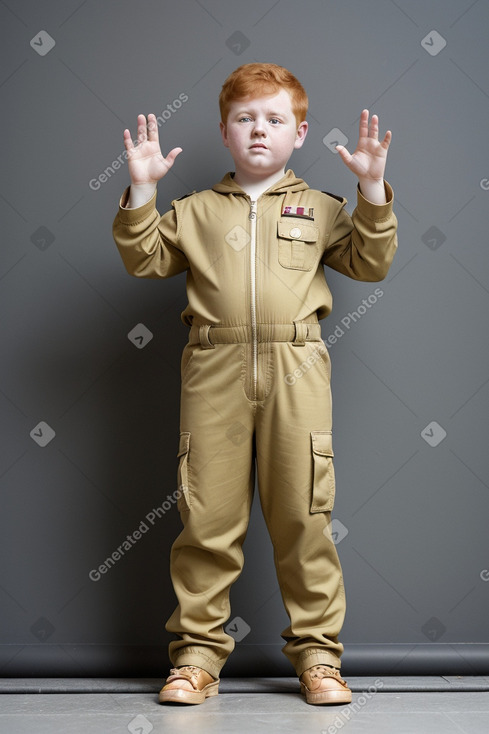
(343, 153)
(170, 158)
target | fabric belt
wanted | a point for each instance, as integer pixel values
(298, 333)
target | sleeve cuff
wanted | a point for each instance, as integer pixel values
(131, 216)
(376, 212)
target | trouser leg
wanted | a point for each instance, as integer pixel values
(296, 483)
(216, 477)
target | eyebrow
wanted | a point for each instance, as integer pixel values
(272, 112)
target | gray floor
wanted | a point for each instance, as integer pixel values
(438, 705)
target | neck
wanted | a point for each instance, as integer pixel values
(255, 187)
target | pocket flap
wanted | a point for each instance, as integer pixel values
(324, 486)
(322, 443)
(184, 443)
(297, 230)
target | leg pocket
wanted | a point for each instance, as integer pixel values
(323, 482)
(184, 499)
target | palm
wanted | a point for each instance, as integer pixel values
(146, 163)
(145, 160)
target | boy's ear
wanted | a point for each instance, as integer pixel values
(224, 135)
(301, 134)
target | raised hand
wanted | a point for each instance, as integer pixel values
(146, 163)
(369, 159)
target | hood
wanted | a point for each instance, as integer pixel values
(289, 182)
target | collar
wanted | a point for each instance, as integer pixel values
(288, 183)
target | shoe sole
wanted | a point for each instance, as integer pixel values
(182, 695)
(326, 697)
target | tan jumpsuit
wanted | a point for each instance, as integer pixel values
(256, 394)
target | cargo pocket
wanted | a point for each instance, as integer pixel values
(297, 244)
(323, 482)
(183, 498)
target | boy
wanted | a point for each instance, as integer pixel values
(254, 247)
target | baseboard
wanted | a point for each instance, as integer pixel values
(94, 660)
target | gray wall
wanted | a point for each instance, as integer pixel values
(410, 373)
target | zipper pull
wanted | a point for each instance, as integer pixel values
(252, 214)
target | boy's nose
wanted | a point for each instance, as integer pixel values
(259, 128)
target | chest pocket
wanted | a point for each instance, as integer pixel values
(297, 243)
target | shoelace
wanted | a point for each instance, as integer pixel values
(325, 671)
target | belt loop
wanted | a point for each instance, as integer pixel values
(205, 342)
(301, 334)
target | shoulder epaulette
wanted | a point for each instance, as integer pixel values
(185, 195)
(334, 196)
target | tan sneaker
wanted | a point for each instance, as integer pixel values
(188, 684)
(322, 684)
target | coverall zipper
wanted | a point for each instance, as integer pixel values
(254, 340)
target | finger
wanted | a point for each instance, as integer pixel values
(128, 144)
(363, 128)
(374, 127)
(387, 140)
(142, 133)
(152, 127)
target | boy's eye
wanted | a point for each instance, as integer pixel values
(244, 119)
(275, 121)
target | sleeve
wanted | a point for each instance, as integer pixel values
(363, 246)
(148, 243)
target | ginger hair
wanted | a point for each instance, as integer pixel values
(261, 80)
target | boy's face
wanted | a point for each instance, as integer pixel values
(261, 134)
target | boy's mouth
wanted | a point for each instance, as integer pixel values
(259, 145)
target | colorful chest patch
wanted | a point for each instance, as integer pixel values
(298, 211)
